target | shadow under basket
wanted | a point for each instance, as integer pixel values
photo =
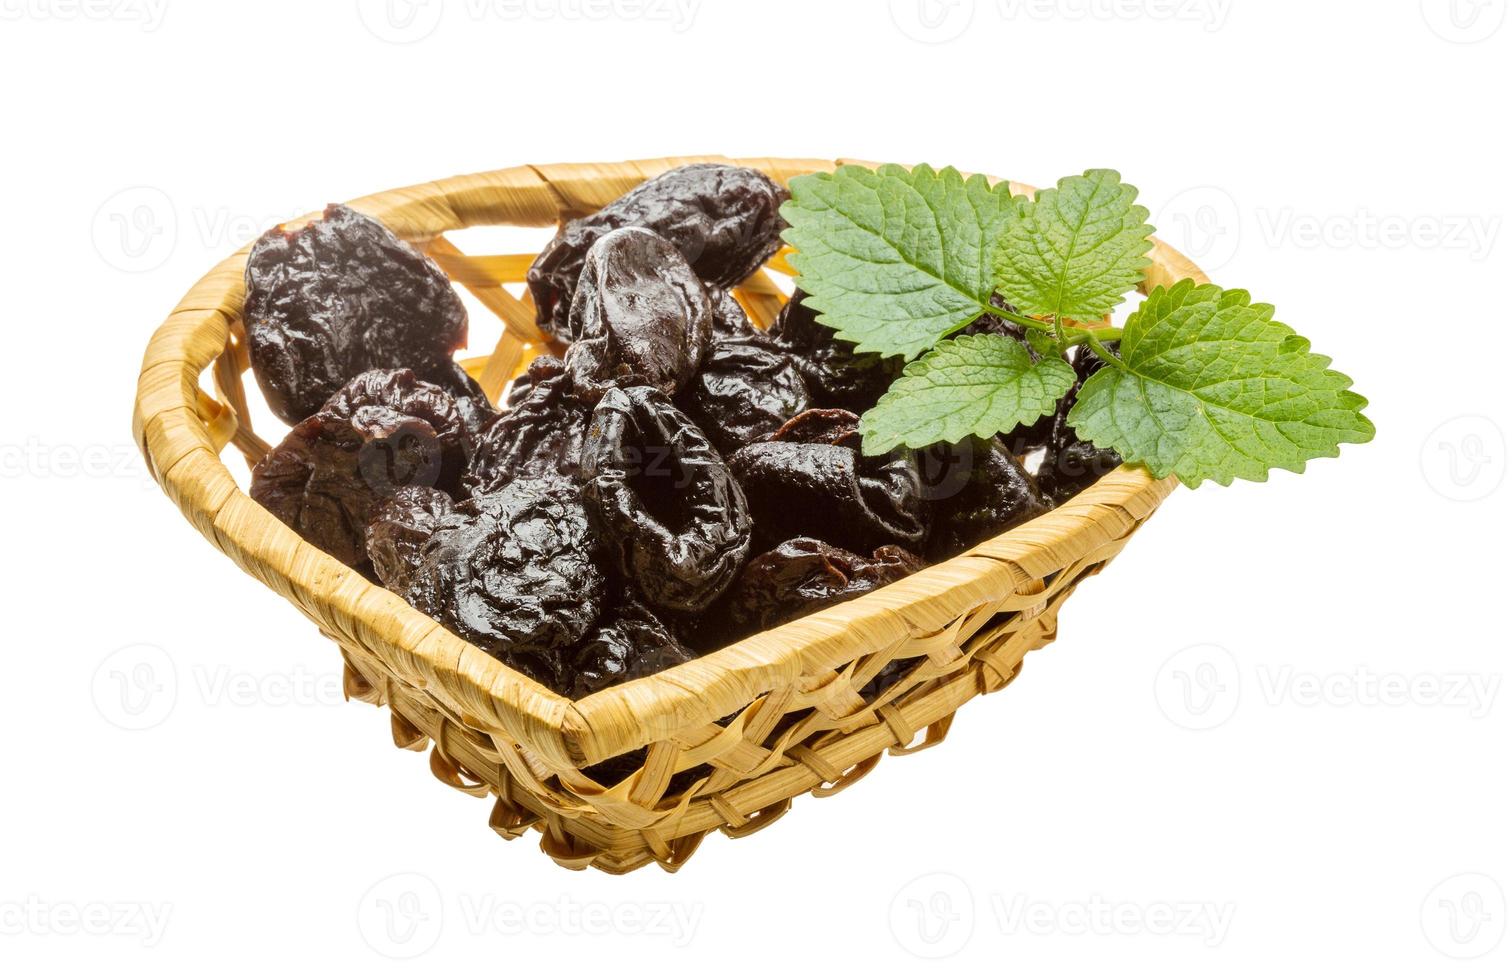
(722, 743)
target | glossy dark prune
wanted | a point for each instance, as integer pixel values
(804, 575)
(722, 219)
(994, 494)
(630, 643)
(472, 403)
(837, 376)
(664, 499)
(812, 489)
(1071, 464)
(382, 431)
(400, 527)
(640, 317)
(539, 434)
(747, 389)
(729, 317)
(340, 296)
(514, 572)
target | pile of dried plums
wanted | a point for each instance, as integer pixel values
(676, 481)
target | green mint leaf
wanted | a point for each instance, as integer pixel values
(1075, 250)
(980, 384)
(895, 259)
(1212, 388)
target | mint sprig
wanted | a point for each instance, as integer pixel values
(980, 384)
(894, 259)
(1206, 385)
(1209, 387)
(1074, 250)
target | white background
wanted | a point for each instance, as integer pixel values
(1272, 738)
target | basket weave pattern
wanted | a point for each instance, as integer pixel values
(795, 723)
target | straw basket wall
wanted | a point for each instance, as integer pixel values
(726, 742)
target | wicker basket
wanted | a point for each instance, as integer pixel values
(795, 723)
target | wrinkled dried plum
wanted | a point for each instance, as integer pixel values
(722, 219)
(640, 317)
(472, 404)
(540, 433)
(986, 493)
(515, 573)
(401, 526)
(338, 297)
(630, 643)
(730, 320)
(837, 376)
(747, 389)
(382, 431)
(810, 489)
(664, 499)
(804, 575)
(1071, 465)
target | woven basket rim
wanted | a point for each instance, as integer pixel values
(174, 421)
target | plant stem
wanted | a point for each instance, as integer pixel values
(1012, 317)
(1093, 337)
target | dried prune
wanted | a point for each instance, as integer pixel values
(640, 317)
(730, 320)
(338, 297)
(804, 575)
(515, 573)
(539, 434)
(994, 493)
(401, 526)
(472, 403)
(722, 219)
(837, 376)
(747, 389)
(381, 431)
(630, 643)
(663, 497)
(1071, 464)
(812, 490)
